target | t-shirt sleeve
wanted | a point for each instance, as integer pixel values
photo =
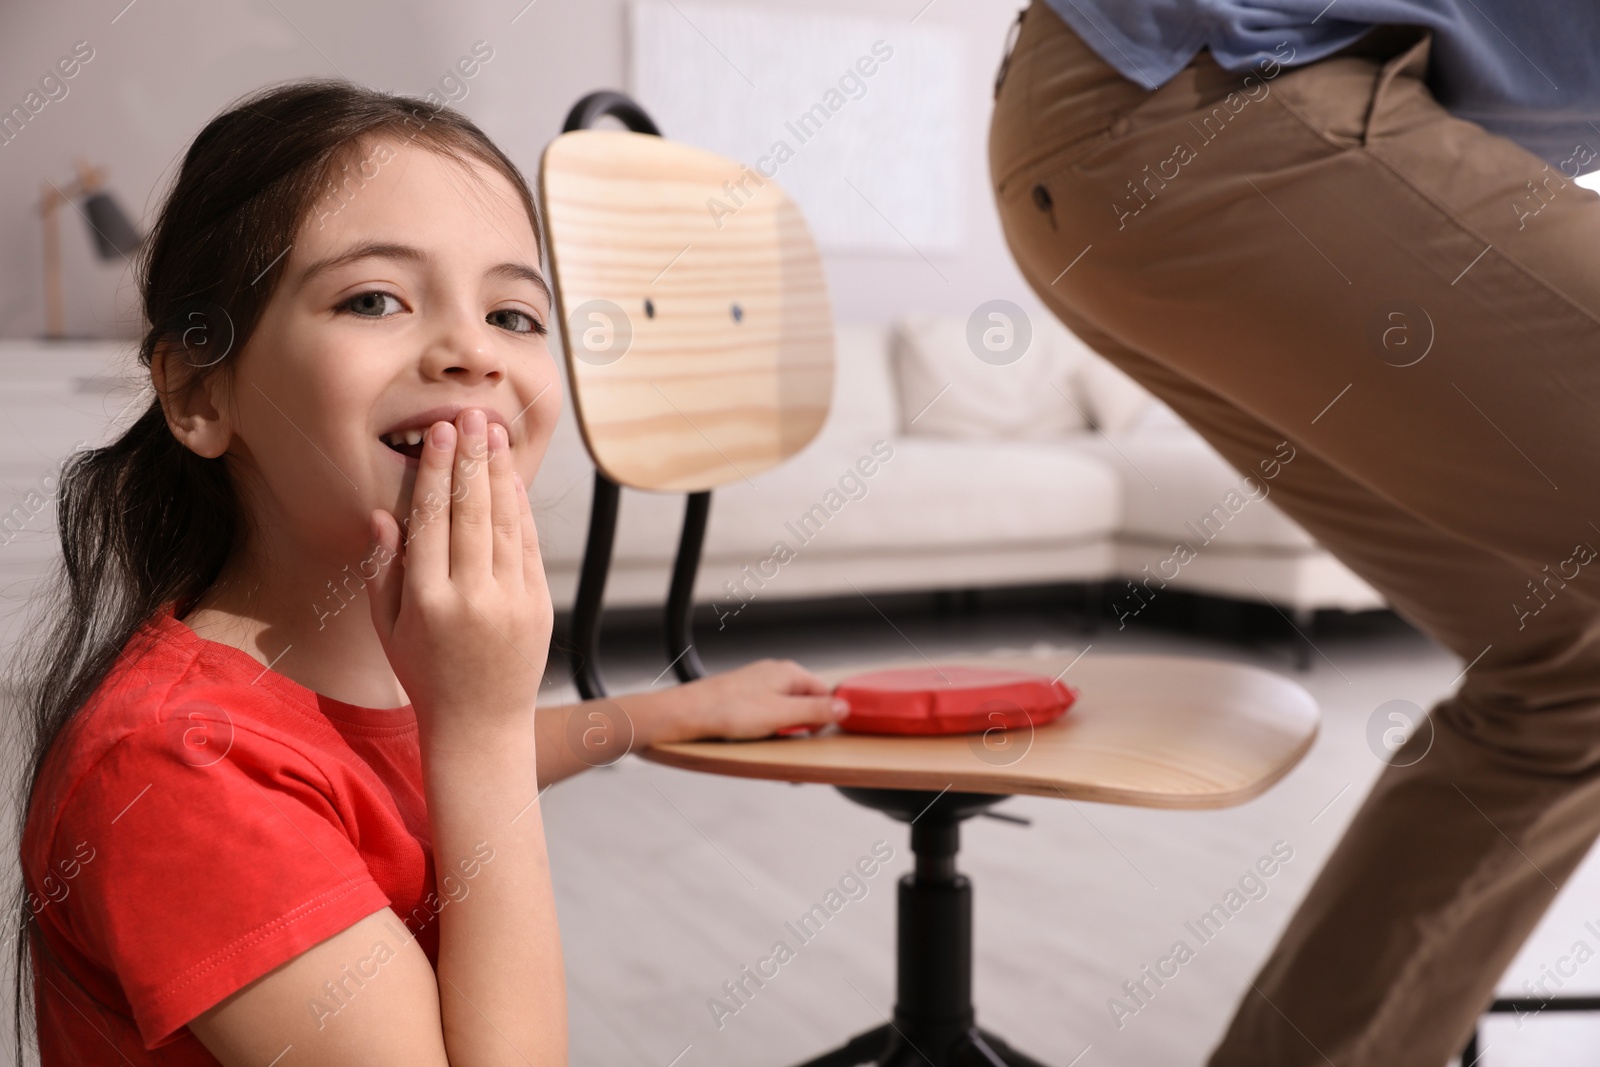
(219, 853)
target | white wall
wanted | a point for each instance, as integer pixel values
(162, 68)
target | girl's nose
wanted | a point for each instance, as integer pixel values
(462, 353)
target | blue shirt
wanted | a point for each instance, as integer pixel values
(1528, 70)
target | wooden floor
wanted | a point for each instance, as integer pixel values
(669, 882)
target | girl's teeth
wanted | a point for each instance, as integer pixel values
(413, 437)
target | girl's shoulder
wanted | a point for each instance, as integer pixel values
(198, 826)
(174, 702)
(171, 681)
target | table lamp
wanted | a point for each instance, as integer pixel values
(112, 232)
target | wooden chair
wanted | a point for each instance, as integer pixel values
(724, 370)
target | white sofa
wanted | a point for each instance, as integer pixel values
(1056, 468)
(994, 476)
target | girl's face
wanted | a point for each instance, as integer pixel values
(406, 297)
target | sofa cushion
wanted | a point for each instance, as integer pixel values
(1113, 401)
(1110, 400)
(946, 391)
(1177, 489)
(864, 405)
(927, 493)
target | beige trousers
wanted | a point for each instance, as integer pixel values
(1321, 253)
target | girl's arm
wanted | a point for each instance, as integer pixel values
(755, 700)
(402, 1025)
(466, 625)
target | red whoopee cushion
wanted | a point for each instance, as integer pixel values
(951, 700)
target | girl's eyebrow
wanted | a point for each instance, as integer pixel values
(366, 250)
(519, 272)
(411, 254)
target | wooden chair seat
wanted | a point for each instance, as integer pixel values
(1146, 731)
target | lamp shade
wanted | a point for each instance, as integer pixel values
(114, 234)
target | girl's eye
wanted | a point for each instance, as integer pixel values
(374, 305)
(515, 321)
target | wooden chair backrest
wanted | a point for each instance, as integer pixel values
(693, 306)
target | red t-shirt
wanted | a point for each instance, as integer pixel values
(202, 821)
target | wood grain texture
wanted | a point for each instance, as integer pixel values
(701, 394)
(1146, 731)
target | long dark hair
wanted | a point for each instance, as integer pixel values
(143, 520)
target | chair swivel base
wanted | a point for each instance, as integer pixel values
(885, 1047)
(934, 1024)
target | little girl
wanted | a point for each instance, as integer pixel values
(258, 830)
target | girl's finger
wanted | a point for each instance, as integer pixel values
(383, 591)
(803, 683)
(532, 561)
(819, 711)
(807, 714)
(504, 500)
(428, 525)
(471, 547)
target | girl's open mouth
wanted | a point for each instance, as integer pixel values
(406, 442)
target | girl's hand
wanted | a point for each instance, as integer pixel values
(756, 700)
(465, 615)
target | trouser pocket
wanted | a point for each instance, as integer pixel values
(1055, 101)
(1348, 98)
(1405, 71)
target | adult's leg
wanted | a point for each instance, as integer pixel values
(1450, 861)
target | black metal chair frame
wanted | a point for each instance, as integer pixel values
(934, 1024)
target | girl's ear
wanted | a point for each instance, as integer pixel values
(193, 402)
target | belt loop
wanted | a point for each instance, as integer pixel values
(1413, 62)
(1011, 43)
